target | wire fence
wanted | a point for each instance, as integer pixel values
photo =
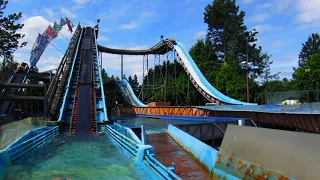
(293, 97)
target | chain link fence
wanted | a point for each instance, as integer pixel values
(293, 97)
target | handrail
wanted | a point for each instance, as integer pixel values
(155, 163)
(17, 152)
(133, 149)
(32, 138)
(100, 76)
(63, 61)
(69, 79)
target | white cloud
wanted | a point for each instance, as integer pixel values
(81, 2)
(48, 11)
(34, 12)
(247, 1)
(259, 18)
(89, 23)
(278, 43)
(144, 17)
(263, 27)
(200, 34)
(264, 5)
(32, 26)
(103, 38)
(131, 25)
(308, 11)
(106, 30)
(132, 64)
(66, 12)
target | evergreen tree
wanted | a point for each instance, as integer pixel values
(230, 39)
(9, 38)
(308, 76)
(135, 80)
(206, 59)
(130, 80)
(310, 47)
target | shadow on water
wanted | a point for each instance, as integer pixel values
(77, 157)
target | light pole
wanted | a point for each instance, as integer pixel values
(250, 33)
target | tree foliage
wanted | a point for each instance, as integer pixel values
(229, 36)
(308, 76)
(310, 47)
(9, 37)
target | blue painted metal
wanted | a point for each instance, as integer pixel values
(143, 135)
(201, 80)
(63, 106)
(19, 150)
(204, 153)
(99, 118)
(307, 108)
(140, 150)
(128, 93)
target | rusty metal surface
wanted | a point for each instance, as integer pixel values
(277, 152)
(168, 151)
(285, 121)
(167, 110)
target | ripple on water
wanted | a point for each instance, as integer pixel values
(81, 157)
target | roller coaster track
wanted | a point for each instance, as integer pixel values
(194, 74)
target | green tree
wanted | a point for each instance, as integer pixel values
(206, 59)
(104, 75)
(130, 80)
(309, 48)
(9, 38)
(135, 80)
(230, 39)
(308, 76)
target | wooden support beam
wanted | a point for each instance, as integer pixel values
(21, 85)
(19, 98)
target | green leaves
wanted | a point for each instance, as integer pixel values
(308, 76)
(310, 47)
(9, 38)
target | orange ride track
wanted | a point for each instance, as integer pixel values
(167, 150)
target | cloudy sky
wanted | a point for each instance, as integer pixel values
(133, 24)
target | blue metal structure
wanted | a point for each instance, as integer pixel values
(30, 142)
(65, 115)
(128, 93)
(140, 150)
(101, 109)
(199, 78)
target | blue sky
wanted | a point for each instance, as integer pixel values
(283, 26)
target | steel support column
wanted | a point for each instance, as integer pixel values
(121, 66)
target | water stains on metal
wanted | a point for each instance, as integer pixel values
(246, 170)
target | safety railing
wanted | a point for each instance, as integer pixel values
(133, 149)
(101, 80)
(17, 152)
(166, 173)
(59, 71)
(69, 79)
(123, 141)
